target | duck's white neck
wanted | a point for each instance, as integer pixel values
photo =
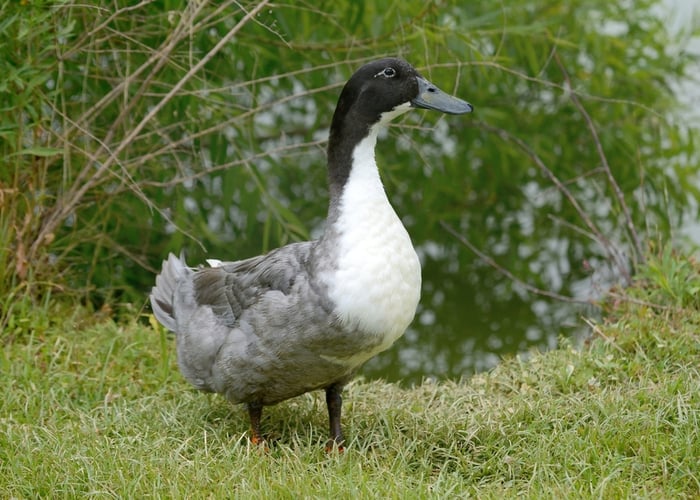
(364, 184)
(374, 283)
(363, 181)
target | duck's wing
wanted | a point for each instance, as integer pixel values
(231, 320)
(231, 288)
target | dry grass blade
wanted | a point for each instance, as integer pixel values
(93, 172)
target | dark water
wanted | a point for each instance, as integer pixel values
(461, 328)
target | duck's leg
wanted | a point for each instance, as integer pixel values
(334, 401)
(255, 414)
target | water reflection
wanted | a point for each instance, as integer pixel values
(459, 338)
(469, 320)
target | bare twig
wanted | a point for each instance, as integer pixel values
(163, 56)
(90, 176)
(235, 163)
(118, 89)
(602, 240)
(94, 170)
(90, 34)
(550, 84)
(600, 332)
(506, 272)
(222, 125)
(645, 303)
(572, 226)
(619, 196)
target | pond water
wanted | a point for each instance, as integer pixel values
(461, 329)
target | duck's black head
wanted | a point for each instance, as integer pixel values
(384, 85)
(377, 92)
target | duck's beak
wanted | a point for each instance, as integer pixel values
(431, 97)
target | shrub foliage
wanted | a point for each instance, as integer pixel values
(131, 130)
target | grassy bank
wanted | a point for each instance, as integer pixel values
(100, 410)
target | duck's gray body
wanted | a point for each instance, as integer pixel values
(306, 316)
(260, 330)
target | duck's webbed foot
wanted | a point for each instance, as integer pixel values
(255, 414)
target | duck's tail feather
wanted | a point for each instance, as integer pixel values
(163, 294)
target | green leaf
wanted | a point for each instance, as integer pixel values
(42, 151)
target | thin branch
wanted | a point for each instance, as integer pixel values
(228, 89)
(602, 240)
(222, 125)
(234, 163)
(90, 34)
(163, 57)
(89, 177)
(619, 196)
(600, 332)
(78, 190)
(506, 272)
(572, 226)
(126, 82)
(645, 303)
(550, 84)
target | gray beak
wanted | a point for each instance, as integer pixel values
(431, 97)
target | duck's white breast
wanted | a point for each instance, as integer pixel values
(375, 284)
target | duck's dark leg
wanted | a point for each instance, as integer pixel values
(334, 401)
(255, 414)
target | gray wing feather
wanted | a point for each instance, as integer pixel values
(233, 287)
(258, 330)
(174, 271)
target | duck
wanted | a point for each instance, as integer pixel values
(308, 315)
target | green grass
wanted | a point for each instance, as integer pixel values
(100, 410)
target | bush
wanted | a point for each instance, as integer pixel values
(128, 132)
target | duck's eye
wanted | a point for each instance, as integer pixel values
(387, 72)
